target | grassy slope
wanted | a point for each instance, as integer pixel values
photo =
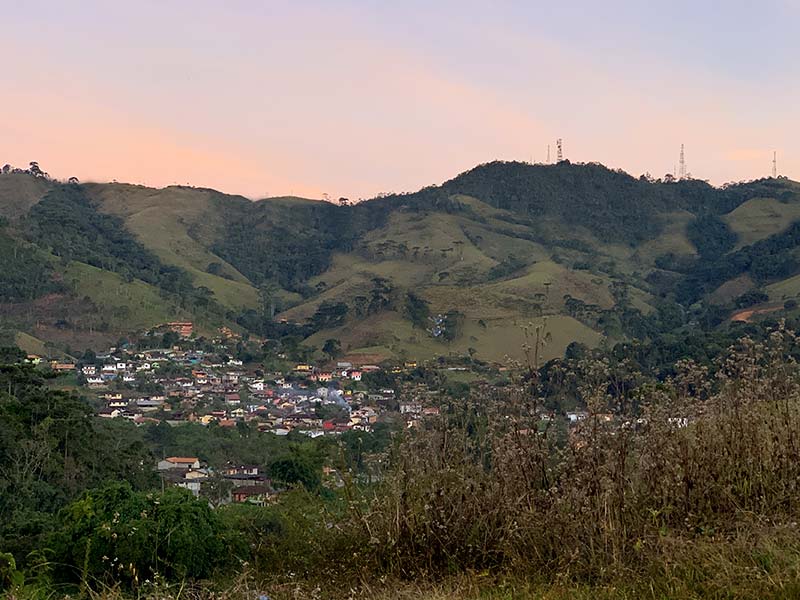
(162, 219)
(30, 344)
(126, 306)
(446, 260)
(504, 306)
(18, 193)
(760, 218)
(390, 335)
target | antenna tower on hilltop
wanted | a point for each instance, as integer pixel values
(559, 153)
(682, 170)
(774, 165)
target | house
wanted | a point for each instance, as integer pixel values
(62, 366)
(109, 413)
(89, 370)
(148, 405)
(232, 399)
(182, 328)
(252, 494)
(576, 417)
(178, 462)
(410, 408)
(355, 375)
(193, 485)
(232, 469)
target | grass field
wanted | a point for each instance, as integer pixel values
(127, 306)
(495, 340)
(672, 239)
(162, 219)
(18, 193)
(783, 290)
(30, 344)
(760, 218)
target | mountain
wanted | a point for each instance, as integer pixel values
(460, 267)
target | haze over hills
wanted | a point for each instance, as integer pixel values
(460, 267)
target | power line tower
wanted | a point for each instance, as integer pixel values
(682, 169)
(559, 153)
(774, 165)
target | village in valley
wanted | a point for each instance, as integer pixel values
(198, 380)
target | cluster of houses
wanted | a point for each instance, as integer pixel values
(179, 386)
(235, 483)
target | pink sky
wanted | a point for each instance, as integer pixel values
(355, 98)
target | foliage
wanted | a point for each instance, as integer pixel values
(50, 451)
(418, 310)
(25, 275)
(711, 236)
(69, 224)
(115, 533)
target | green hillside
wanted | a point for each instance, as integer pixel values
(600, 254)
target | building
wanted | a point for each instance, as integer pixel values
(182, 328)
(179, 462)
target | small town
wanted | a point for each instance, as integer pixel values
(184, 384)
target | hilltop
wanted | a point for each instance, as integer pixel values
(460, 267)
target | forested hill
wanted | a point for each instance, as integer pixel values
(451, 268)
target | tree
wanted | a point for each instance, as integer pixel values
(217, 490)
(303, 466)
(35, 170)
(417, 309)
(170, 534)
(267, 294)
(328, 315)
(332, 347)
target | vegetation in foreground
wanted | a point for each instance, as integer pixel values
(681, 489)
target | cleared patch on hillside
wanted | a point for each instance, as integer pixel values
(125, 306)
(177, 224)
(672, 240)
(731, 289)
(30, 344)
(783, 290)
(493, 339)
(19, 192)
(759, 218)
(547, 283)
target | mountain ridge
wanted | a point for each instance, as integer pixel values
(502, 244)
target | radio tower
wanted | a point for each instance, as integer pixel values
(548, 154)
(560, 153)
(774, 165)
(682, 170)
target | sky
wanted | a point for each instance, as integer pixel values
(354, 97)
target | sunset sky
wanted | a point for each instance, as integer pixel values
(353, 98)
